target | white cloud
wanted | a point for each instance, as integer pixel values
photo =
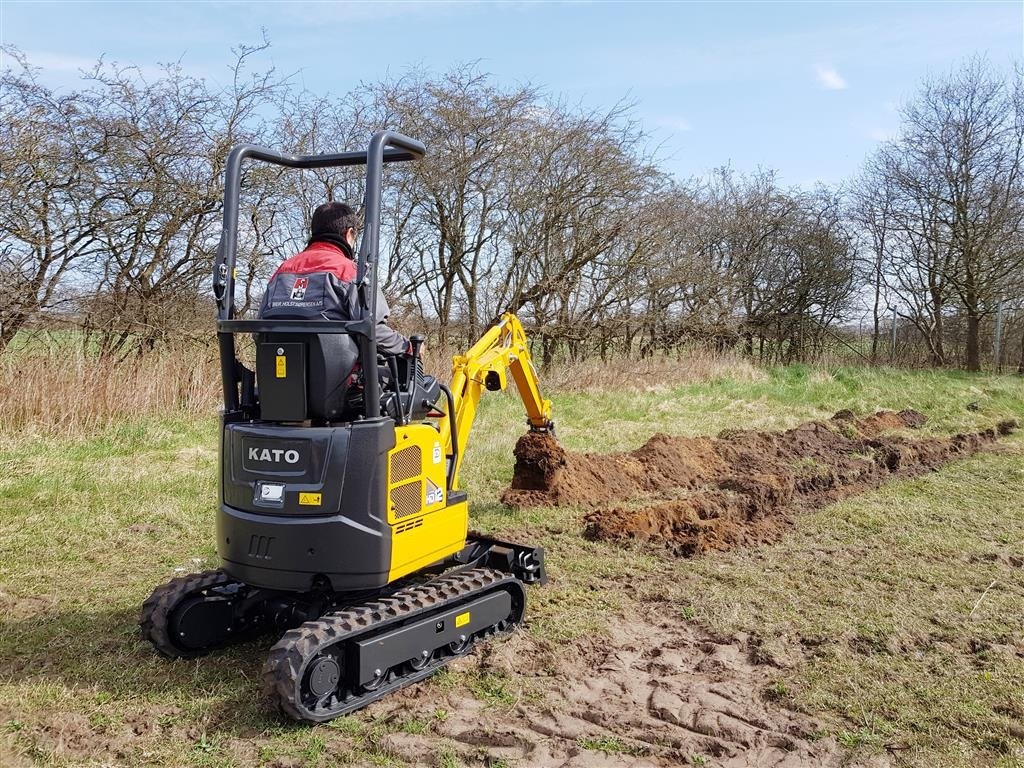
(67, 67)
(830, 79)
(49, 61)
(675, 123)
(881, 134)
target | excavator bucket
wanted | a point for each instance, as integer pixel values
(540, 461)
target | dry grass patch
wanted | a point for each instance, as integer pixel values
(71, 393)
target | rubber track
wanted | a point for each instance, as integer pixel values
(283, 671)
(159, 606)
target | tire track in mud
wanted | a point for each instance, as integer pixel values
(702, 494)
(662, 693)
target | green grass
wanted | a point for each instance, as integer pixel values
(609, 744)
(882, 590)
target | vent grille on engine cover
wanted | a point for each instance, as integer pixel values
(406, 464)
(405, 499)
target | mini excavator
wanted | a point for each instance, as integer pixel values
(341, 523)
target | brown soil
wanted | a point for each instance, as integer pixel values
(652, 693)
(741, 488)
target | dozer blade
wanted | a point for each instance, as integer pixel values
(349, 658)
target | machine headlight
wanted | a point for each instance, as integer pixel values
(270, 493)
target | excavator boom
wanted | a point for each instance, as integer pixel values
(504, 349)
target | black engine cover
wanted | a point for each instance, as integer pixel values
(300, 503)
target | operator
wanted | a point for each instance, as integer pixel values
(319, 282)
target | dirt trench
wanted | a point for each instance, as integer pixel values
(701, 494)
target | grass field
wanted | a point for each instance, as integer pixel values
(906, 604)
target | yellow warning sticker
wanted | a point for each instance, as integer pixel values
(462, 619)
(282, 367)
(310, 499)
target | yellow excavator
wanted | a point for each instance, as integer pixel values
(341, 523)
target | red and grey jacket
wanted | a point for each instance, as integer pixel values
(319, 283)
(321, 256)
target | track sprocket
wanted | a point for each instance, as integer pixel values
(156, 618)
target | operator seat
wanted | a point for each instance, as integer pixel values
(305, 376)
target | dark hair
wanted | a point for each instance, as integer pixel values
(334, 219)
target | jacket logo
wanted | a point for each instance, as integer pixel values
(299, 288)
(274, 454)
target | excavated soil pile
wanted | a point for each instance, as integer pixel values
(739, 488)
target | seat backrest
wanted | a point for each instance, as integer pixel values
(305, 376)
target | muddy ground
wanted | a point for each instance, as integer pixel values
(664, 693)
(646, 694)
(693, 495)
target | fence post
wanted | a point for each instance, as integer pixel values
(892, 350)
(999, 337)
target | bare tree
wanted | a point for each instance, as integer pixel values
(50, 212)
(961, 150)
(161, 178)
(872, 212)
(453, 204)
(110, 201)
(580, 186)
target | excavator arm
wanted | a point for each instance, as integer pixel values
(487, 365)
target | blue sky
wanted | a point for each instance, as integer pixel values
(805, 88)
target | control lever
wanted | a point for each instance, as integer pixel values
(416, 369)
(392, 363)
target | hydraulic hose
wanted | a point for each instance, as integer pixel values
(454, 432)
